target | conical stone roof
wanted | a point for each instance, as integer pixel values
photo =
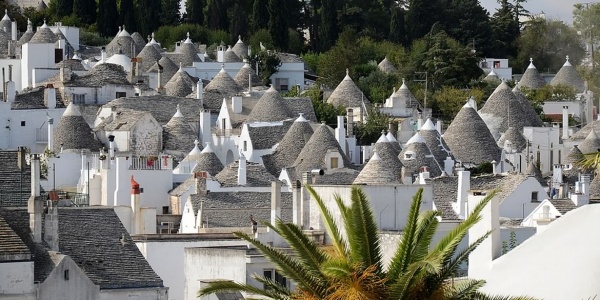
(169, 68)
(178, 134)
(492, 76)
(43, 36)
(406, 96)
(532, 170)
(73, 133)
(469, 138)
(502, 110)
(149, 56)
(138, 40)
(269, 108)
(376, 172)
(416, 154)
(241, 78)
(6, 22)
(27, 35)
(208, 161)
(568, 75)
(531, 78)
(4, 38)
(595, 187)
(189, 52)
(230, 56)
(527, 107)
(224, 83)
(393, 141)
(389, 156)
(180, 85)
(240, 49)
(591, 144)
(347, 94)
(313, 153)
(386, 66)
(435, 142)
(575, 155)
(518, 142)
(289, 147)
(122, 43)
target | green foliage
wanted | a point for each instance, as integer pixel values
(397, 26)
(377, 86)
(325, 112)
(85, 11)
(36, 16)
(352, 268)
(296, 42)
(505, 30)
(194, 11)
(268, 64)
(146, 8)
(278, 24)
(238, 26)
(127, 15)
(107, 18)
(329, 26)
(216, 15)
(169, 12)
(89, 38)
(261, 36)
(449, 100)
(368, 132)
(169, 35)
(537, 97)
(260, 15)
(469, 24)
(312, 60)
(63, 7)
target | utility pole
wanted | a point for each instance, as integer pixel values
(425, 100)
(590, 26)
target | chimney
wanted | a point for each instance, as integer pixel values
(199, 89)
(50, 134)
(448, 165)
(111, 146)
(565, 122)
(13, 29)
(391, 128)
(50, 96)
(340, 134)
(494, 167)
(236, 104)
(205, 126)
(103, 55)
(35, 205)
(65, 74)
(51, 226)
(297, 203)
(120, 193)
(438, 127)
(407, 177)
(137, 219)
(464, 185)
(472, 102)
(582, 193)
(11, 91)
(242, 170)
(419, 121)
(350, 126)
(481, 258)
(275, 201)
(423, 175)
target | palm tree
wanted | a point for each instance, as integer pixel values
(352, 268)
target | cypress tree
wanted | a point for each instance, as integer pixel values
(64, 8)
(397, 29)
(127, 15)
(329, 28)
(169, 12)
(85, 10)
(213, 16)
(278, 26)
(260, 15)
(238, 24)
(194, 10)
(146, 12)
(107, 17)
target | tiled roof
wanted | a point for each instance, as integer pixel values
(13, 180)
(533, 170)
(563, 205)
(122, 43)
(233, 209)
(585, 131)
(125, 120)
(516, 139)
(208, 162)
(347, 94)
(73, 132)
(4, 38)
(435, 142)
(444, 194)
(386, 66)
(100, 75)
(224, 83)
(340, 176)
(532, 78)
(25, 38)
(506, 184)
(502, 110)
(492, 76)
(289, 147)
(183, 187)
(389, 156)
(568, 75)
(469, 138)
(241, 78)
(377, 172)
(406, 96)
(591, 144)
(256, 175)
(34, 99)
(11, 246)
(178, 134)
(270, 108)
(161, 107)
(73, 64)
(528, 110)
(265, 137)
(416, 154)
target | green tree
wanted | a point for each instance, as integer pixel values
(449, 100)
(195, 11)
(127, 15)
(352, 267)
(326, 112)
(505, 30)
(329, 28)
(278, 24)
(85, 10)
(169, 12)
(470, 25)
(397, 26)
(145, 8)
(368, 132)
(548, 42)
(238, 23)
(260, 15)
(422, 15)
(63, 8)
(268, 64)
(107, 17)
(216, 15)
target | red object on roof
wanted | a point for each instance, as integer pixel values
(53, 195)
(135, 187)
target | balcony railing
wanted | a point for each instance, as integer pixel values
(18, 199)
(163, 162)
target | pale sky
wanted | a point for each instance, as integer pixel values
(554, 9)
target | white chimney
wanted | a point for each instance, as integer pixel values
(51, 226)
(199, 89)
(120, 194)
(205, 126)
(424, 175)
(494, 167)
(103, 56)
(350, 117)
(138, 221)
(448, 165)
(481, 258)
(250, 83)
(50, 134)
(35, 206)
(438, 127)
(565, 122)
(275, 201)
(13, 29)
(464, 185)
(340, 133)
(236, 104)
(11, 91)
(111, 147)
(242, 170)
(50, 96)
(419, 121)
(582, 193)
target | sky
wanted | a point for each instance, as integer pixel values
(554, 9)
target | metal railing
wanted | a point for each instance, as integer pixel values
(151, 163)
(17, 199)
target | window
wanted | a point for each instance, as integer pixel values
(534, 197)
(22, 123)
(334, 162)
(66, 275)
(559, 159)
(275, 276)
(551, 157)
(165, 210)
(78, 98)
(245, 145)
(409, 155)
(121, 95)
(496, 64)
(282, 84)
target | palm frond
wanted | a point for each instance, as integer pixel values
(228, 286)
(288, 265)
(404, 285)
(339, 244)
(362, 231)
(451, 266)
(336, 268)
(427, 225)
(482, 296)
(463, 289)
(401, 259)
(272, 286)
